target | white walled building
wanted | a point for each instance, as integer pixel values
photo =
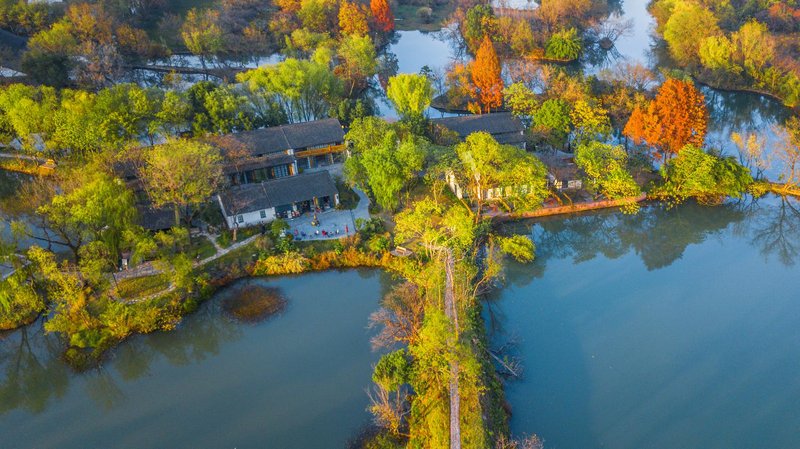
(254, 204)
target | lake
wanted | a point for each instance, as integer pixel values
(298, 380)
(670, 328)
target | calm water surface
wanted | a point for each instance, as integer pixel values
(671, 328)
(295, 381)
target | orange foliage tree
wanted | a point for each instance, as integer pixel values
(289, 6)
(384, 18)
(352, 19)
(486, 80)
(675, 118)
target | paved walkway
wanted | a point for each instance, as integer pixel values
(330, 221)
(148, 269)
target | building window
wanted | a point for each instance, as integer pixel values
(280, 171)
(259, 175)
(263, 214)
(240, 218)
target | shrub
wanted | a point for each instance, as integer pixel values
(564, 45)
(425, 14)
(287, 263)
(379, 243)
(707, 177)
(520, 247)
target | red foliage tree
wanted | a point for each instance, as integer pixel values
(384, 18)
(675, 118)
(486, 79)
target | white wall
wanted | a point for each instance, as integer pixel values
(251, 219)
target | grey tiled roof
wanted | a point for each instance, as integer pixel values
(255, 163)
(156, 219)
(14, 44)
(505, 128)
(294, 136)
(278, 192)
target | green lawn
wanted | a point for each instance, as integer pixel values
(315, 246)
(225, 238)
(143, 286)
(201, 248)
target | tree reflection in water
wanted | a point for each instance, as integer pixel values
(32, 372)
(660, 235)
(775, 230)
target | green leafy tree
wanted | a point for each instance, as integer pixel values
(553, 119)
(430, 410)
(358, 62)
(319, 16)
(480, 19)
(606, 171)
(218, 109)
(515, 176)
(707, 177)
(410, 94)
(382, 159)
(522, 101)
(29, 113)
(419, 224)
(304, 89)
(688, 26)
(182, 174)
(174, 115)
(756, 46)
(49, 59)
(202, 33)
(95, 207)
(520, 247)
(590, 121)
(20, 302)
(717, 53)
(391, 374)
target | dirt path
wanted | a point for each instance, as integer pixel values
(568, 209)
(452, 314)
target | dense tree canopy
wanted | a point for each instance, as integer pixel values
(606, 170)
(410, 94)
(689, 24)
(95, 209)
(182, 174)
(710, 178)
(383, 159)
(201, 33)
(304, 89)
(516, 175)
